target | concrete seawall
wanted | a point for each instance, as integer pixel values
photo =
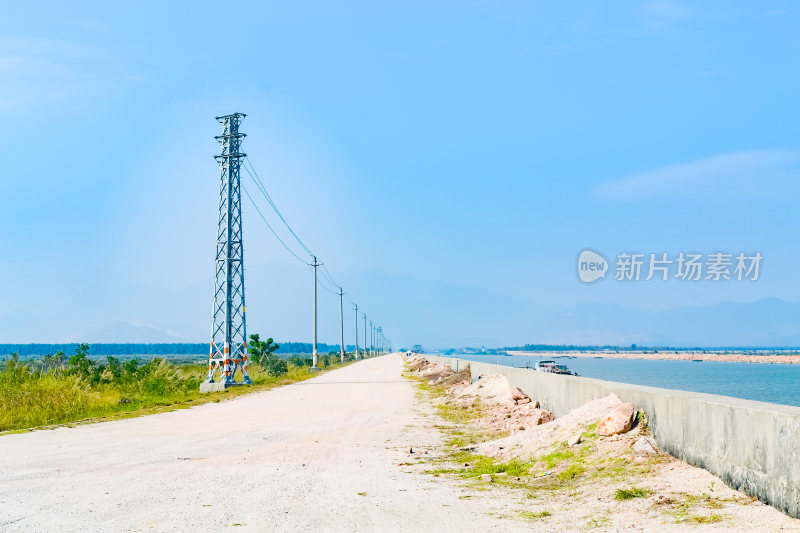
(753, 446)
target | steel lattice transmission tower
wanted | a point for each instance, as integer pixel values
(228, 350)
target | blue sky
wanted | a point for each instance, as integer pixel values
(484, 144)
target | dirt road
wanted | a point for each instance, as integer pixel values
(321, 455)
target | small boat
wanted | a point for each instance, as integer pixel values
(552, 367)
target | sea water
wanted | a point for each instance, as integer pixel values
(763, 382)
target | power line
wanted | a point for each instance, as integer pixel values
(324, 286)
(270, 227)
(260, 184)
(327, 277)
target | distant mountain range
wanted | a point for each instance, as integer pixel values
(432, 313)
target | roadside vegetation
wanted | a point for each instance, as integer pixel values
(61, 389)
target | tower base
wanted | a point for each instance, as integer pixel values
(217, 387)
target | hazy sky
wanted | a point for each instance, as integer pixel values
(480, 143)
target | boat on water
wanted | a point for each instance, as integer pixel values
(552, 367)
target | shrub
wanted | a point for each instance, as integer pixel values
(274, 365)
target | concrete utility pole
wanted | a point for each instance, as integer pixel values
(341, 321)
(356, 330)
(371, 339)
(365, 334)
(315, 264)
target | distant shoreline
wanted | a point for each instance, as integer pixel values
(718, 356)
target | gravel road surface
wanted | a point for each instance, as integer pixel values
(321, 455)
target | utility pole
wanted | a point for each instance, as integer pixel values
(315, 264)
(228, 346)
(356, 330)
(341, 321)
(371, 339)
(380, 342)
(365, 335)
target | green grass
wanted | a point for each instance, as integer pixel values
(32, 399)
(532, 515)
(596, 522)
(709, 519)
(460, 414)
(573, 471)
(559, 455)
(683, 507)
(631, 493)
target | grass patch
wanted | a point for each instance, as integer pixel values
(631, 493)
(486, 465)
(709, 519)
(561, 454)
(596, 522)
(684, 506)
(571, 472)
(460, 414)
(533, 515)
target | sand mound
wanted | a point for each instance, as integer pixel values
(434, 373)
(493, 388)
(540, 439)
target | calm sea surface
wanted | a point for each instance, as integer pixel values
(763, 382)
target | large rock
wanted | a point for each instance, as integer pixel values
(537, 417)
(517, 394)
(620, 420)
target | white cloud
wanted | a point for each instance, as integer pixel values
(748, 174)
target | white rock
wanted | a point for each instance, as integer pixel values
(644, 445)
